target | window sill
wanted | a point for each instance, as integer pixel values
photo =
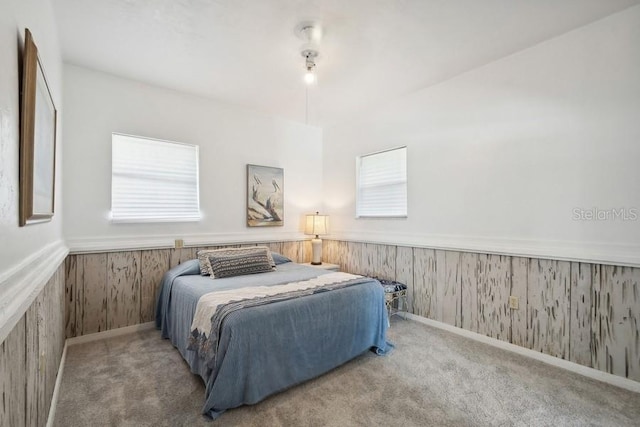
(152, 220)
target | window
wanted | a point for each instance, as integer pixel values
(381, 184)
(153, 181)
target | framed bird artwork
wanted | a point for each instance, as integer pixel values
(265, 196)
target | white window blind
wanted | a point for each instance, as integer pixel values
(153, 181)
(382, 184)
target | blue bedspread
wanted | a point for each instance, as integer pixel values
(268, 348)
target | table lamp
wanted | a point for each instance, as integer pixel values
(316, 224)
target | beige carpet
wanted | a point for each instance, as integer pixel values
(431, 378)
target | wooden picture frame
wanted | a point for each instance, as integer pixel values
(265, 196)
(38, 117)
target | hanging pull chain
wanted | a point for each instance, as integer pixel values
(306, 104)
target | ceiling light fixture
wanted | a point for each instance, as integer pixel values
(311, 33)
(310, 65)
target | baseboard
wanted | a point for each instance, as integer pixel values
(110, 333)
(56, 388)
(545, 358)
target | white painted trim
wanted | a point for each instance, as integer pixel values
(120, 243)
(591, 252)
(111, 333)
(20, 285)
(56, 388)
(595, 374)
(599, 253)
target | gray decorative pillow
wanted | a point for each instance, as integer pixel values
(203, 256)
(279, 259)
(239, 264)
(203, 259)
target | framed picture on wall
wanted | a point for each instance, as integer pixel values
(37, 140)
(265, 196)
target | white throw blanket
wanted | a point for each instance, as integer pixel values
(209, 303)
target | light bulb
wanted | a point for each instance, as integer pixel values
(316, 33)
(309, 77)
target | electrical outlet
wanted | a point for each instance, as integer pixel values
(513, 302)
(179, 244)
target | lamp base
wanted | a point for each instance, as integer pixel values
(316, 251)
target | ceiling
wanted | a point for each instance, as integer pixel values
(245, 52)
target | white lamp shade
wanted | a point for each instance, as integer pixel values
(317, 224)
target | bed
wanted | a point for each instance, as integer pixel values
(263, 349)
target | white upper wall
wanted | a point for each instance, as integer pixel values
(246, 53)
(499, 157)
(229, 138)
(18, 243)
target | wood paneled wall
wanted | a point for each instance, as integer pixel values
(586, 313)
(30, 357)
(110, 290)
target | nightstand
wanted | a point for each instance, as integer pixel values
(324, 266)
